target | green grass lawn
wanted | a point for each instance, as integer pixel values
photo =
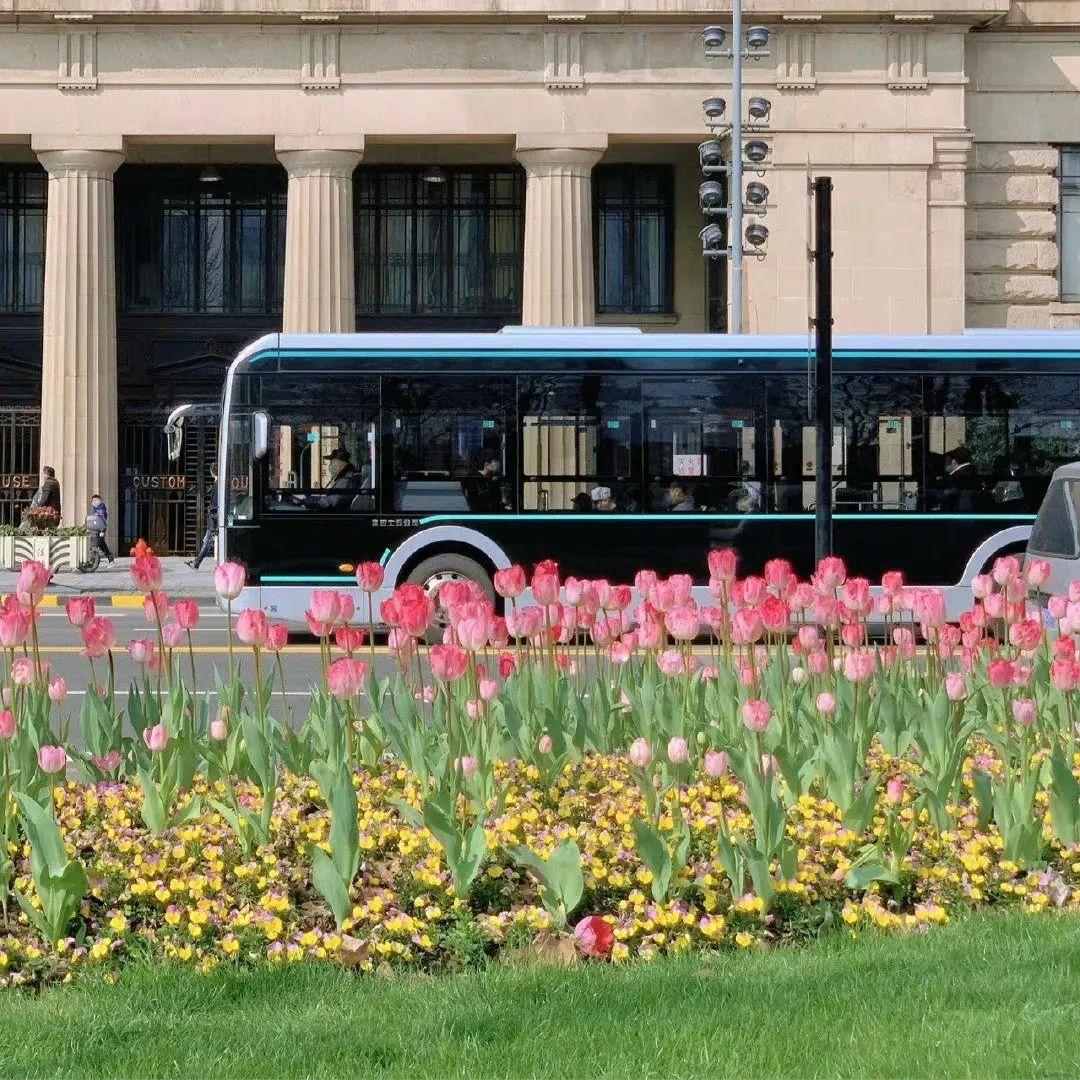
(994, 996)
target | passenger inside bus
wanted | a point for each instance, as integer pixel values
(679, 499)
(602, 501)
(582, 503)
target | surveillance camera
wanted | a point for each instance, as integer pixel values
(709, 153)
(756, 234)
(759, 108)
(711, 195)
(756, 193)
(714, 107)
(757, 37)
(756, 150)
(713, 37)
(712, 239)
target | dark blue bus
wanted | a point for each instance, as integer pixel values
(451, 455)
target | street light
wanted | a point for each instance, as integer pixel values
(751, 45)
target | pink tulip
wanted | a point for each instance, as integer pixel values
(994, 605)
(33, 578)
(1064, 674)
(746, 627)
(52, 759)
(448, 662)
(107, 762)
(172, 635)
(856, 595)
(156, 738)
(7, 724)
(79, 609)
(1038, 573)
(678, 750)
(325, 606)
(545, 588)
(544, 745)
(716, 764)
(229, 580)
(474, 708)
(1005, 569)
(817, 661)
(756, 714)
(779, 576)
(57, 690)
(489, 689)
(858, 666)
(1057, 606)
(22, 671)
(723, 563)
(830, 574)
(775, 614)
(369, 576)
(348, 607)
(670, 662)
(620, 598)
(466, 766)
(252, 627)
(147, 573)
(186, 614)
(826, 704)
(1026, 634)
(683, 623)
(141, 650)
(155, 606)
(982, 586)
(799, 675)
(510, 581)
(894, 791)
(892, 581)
(1000, 673)
(277, 636)
(219, 729)
(955, 687)
(640, 754)
(344, 677)
(769, 765)
(1024, 711)
(14, 625)
(473, 633)
(99, 636)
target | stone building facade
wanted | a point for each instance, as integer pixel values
(178, 175)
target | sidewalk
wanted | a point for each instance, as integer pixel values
(115, 581)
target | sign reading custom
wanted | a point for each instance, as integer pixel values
(166, 482)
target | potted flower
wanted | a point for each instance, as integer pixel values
(41, 537)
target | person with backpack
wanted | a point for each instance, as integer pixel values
(97, 524)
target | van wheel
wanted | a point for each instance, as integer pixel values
(432, 573)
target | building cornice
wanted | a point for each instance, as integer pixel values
(969, 12)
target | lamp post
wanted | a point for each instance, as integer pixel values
(750, 45)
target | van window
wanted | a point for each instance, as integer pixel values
(1055, 529)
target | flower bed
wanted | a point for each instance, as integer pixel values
(566, 781)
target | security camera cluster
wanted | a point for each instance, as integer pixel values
(723, 170)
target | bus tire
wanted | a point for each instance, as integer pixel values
(434, 571)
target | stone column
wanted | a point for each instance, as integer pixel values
(78, 365)
(558, 287)
(320, 290)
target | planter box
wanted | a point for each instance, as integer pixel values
(7, 552)
(57, 553)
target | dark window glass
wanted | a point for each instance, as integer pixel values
(188, 247)
(580, 443)
(877, 444)
(701, 443)
(449, 443)
(1069, 224)
(324, 448)
(634, 214)
(1055, 529)
(22, 239)
(439, 250)
(994, 441)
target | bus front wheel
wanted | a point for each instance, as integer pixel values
(433, 573)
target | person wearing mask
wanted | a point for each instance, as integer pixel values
(48, 494)
(210, 531)
(97, 523)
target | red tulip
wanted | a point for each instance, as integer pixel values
(594, 936)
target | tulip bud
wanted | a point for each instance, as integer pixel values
(544, 745)
(7, 724)
(716, 764)
(678, 751)
(641, 754)
(894, 791)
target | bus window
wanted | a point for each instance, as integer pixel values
(323, 444)
(1008, 432)
(877, 444)
(449, 444)
(701, 446)
(580, 443)
(238, 467)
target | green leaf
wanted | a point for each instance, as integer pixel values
(325, 878)
(411, 815)
(862, 877)
(654, 853)
(861, 811)
(1064, 800)
(153, 810)
(44, 834)
(567, 880)
(344, 828)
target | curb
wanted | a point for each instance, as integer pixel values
(116, 600)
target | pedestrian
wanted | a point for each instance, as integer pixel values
(48, 494)
(97, 523)
(207, 547)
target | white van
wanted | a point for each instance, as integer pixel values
(1055, 536)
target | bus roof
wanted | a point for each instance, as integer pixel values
(631, 339)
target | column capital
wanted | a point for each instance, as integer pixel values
(100, 164)
(319, 155)
(545, 151)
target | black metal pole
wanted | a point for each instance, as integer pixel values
(823, 404)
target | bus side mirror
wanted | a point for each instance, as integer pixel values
(260, 434)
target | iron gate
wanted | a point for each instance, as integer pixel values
(19, 441)
(161, 501)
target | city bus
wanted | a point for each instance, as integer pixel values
(449, 456)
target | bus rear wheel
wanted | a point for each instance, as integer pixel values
(433, 573)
